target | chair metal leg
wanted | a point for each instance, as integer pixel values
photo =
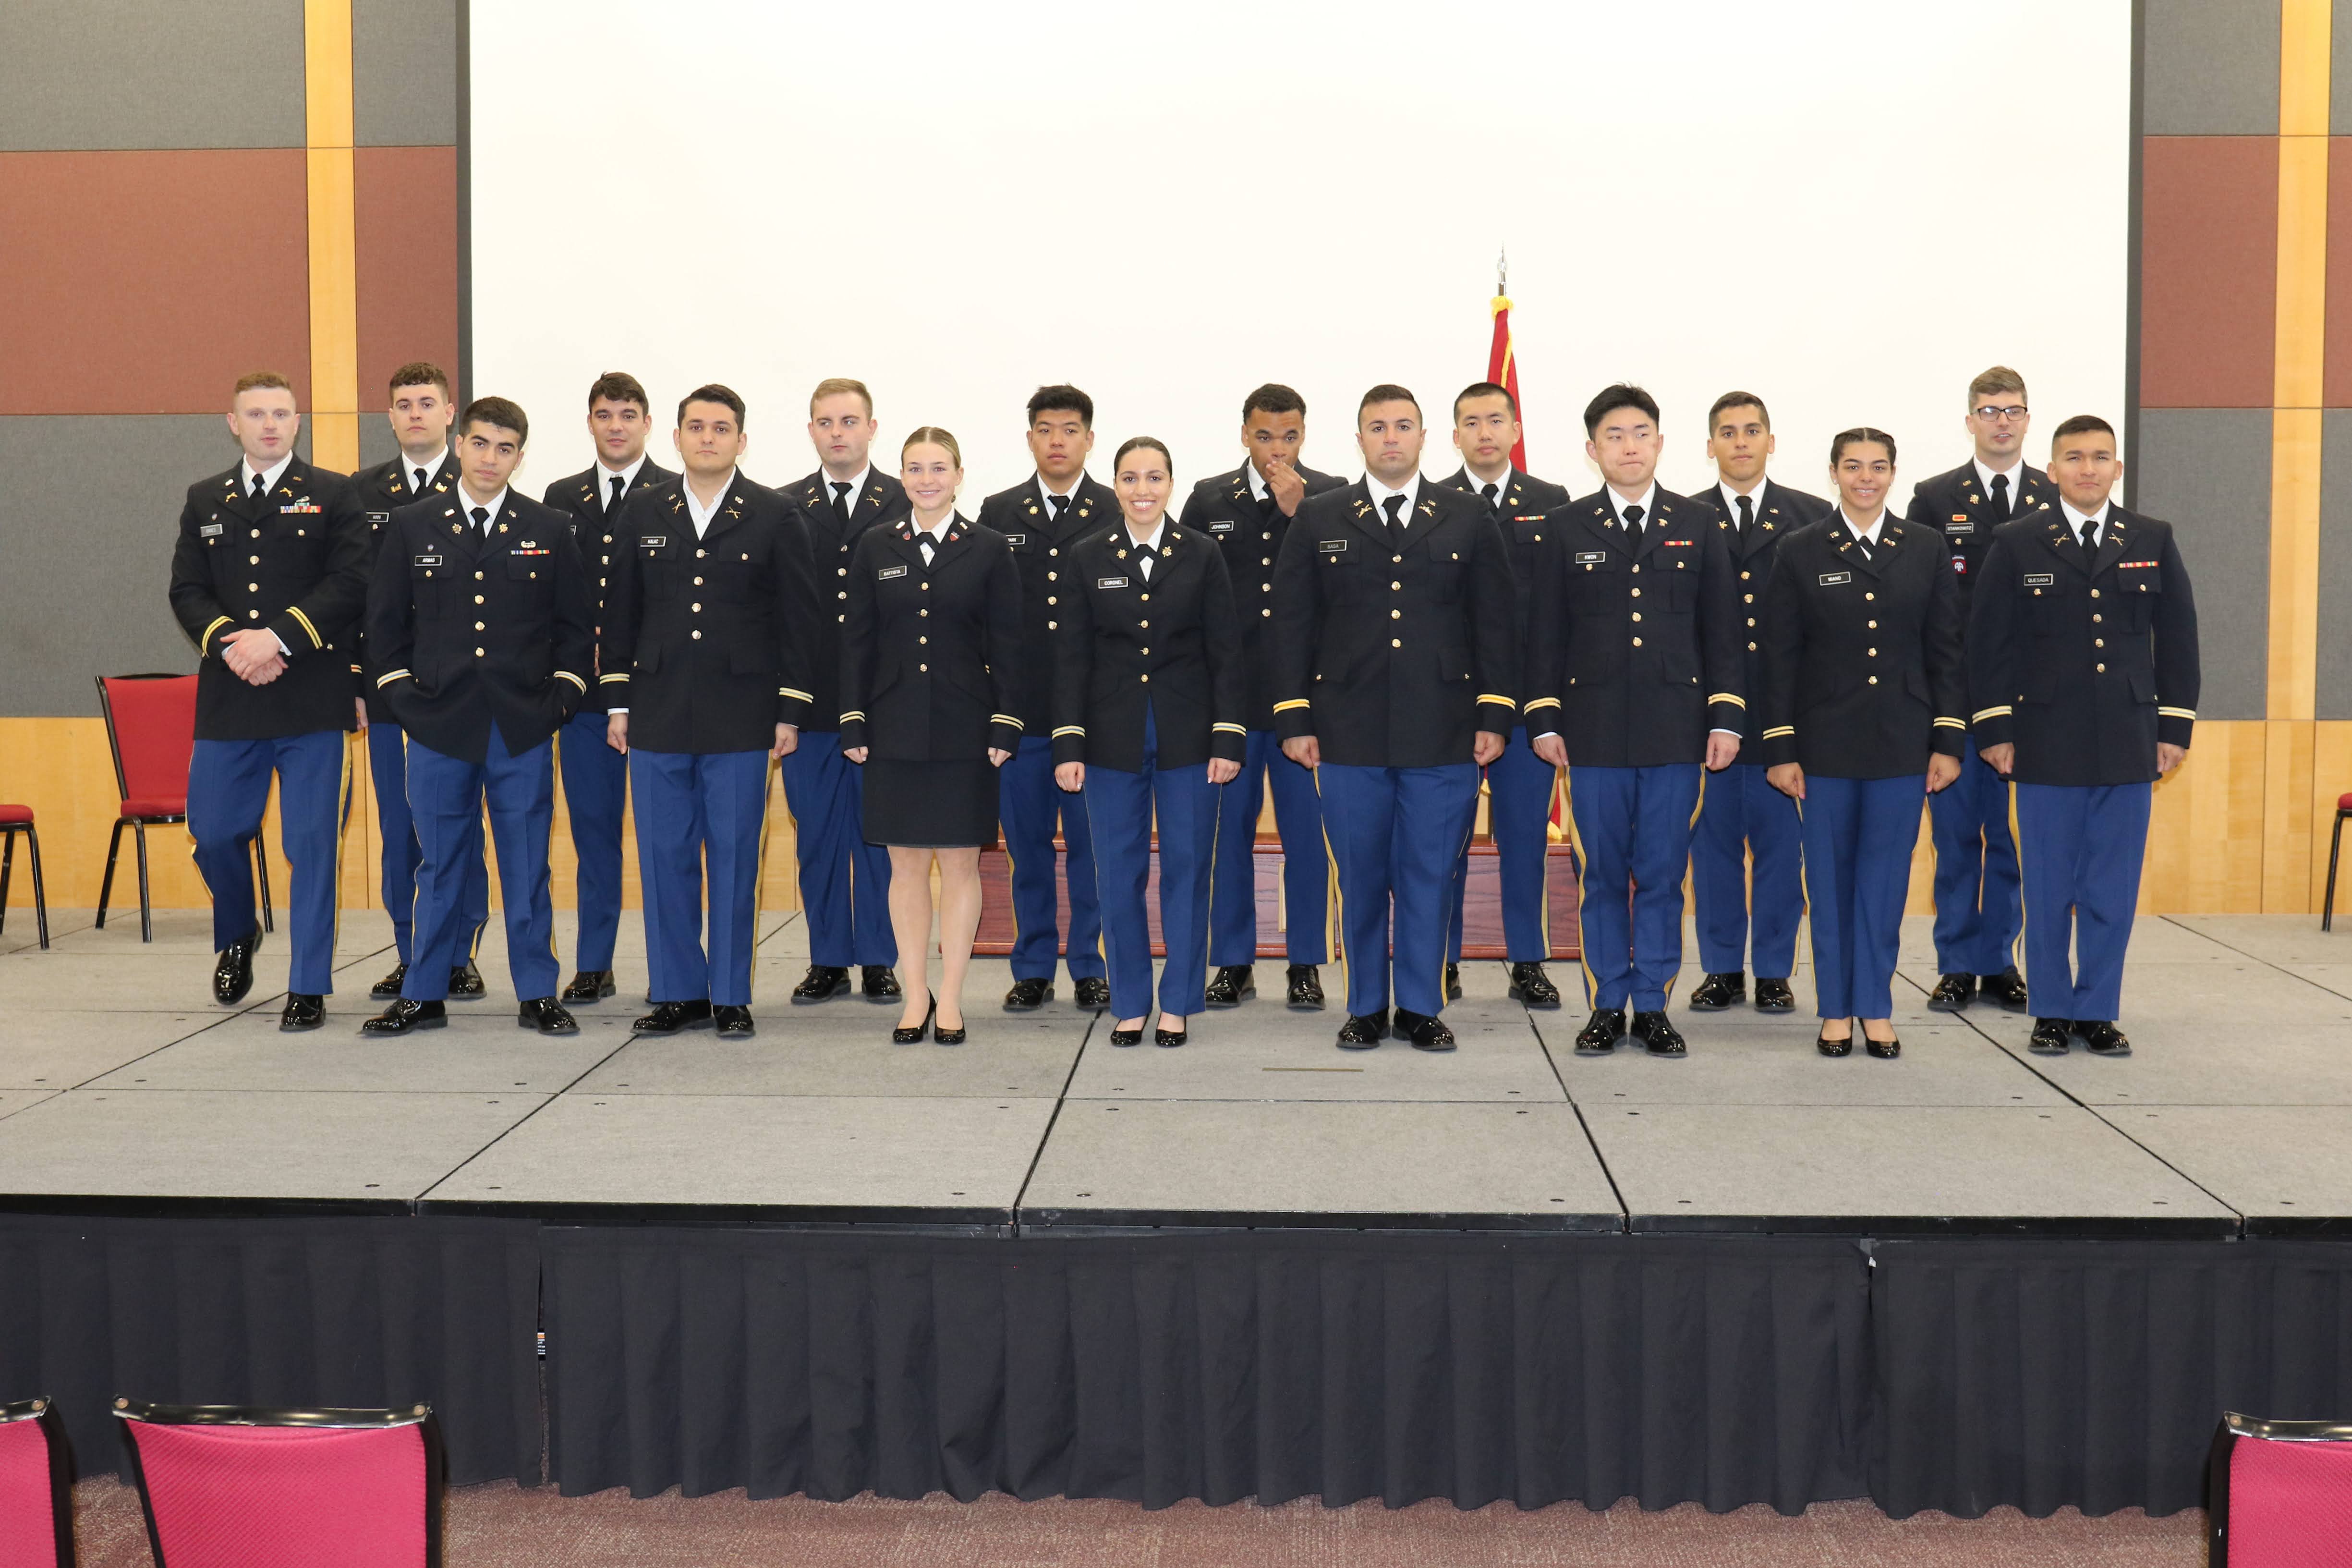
(7, 863)
(40, 893)
(261, 864)
(2335, 848)
(105, 886)
(146, 910)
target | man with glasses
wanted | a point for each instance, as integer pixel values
(1978, 911)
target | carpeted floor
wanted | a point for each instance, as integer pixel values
(504, 1526)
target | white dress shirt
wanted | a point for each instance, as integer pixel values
(1868, 536)
(269, 477)
(1147, 549)
(856, 483)
(2080, 521)
(702, 514)
(929, 538)
(2016, 472)
(490, 509)
(417, 475)
(1256, 483)
(607, 474)
(1380, 493)
(1731, 502)
(1478, 486)
(1069, 497)
(1648, 503)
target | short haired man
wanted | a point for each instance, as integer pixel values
(1520, 784)
(595, 776)
(2083, 679)
(712, 609)
(419, 408)
(1393, 667)
(1040, 518)
(1976, 908)
(1249, 512)
(1637, 656)
(267, 578)
(1741, 816)
(844, 881)
(478, 634)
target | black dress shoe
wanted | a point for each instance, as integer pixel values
(386, 989)
(1830, 1047)
(1531, 986)
(1303, 988)
(2102, 1037)
(734, 1022)
(1884, 1051)
(1774, 997)
(590, 985)
(2051, 1037)
(1128, 1036)
(2008, 988)
(1028, 994)
(1952, 993)
(670, 1017)
(944, 1036)
(1091, 995)
(1422, 1032)
(1600, 1032)
(1454, 983)
(1168, 1037)
(1363, 1031)
(232, 972)
(1230, 986)
(404, 1016)
(546, 1015)
(466, 981)
(302, 1013)
(1717, 992)
(878, 985)
(1658, 1035)
(914, 1036)
(822, 983)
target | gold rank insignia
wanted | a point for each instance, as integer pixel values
(1428, 507)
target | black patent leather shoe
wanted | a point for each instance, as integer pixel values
(914, 1036)
(1026, 994)
(2102, 1038)
(1532, 987)
(1454, 983)
(233, 971)
(1774, 997)
(546, 1015)
(301, 1013)
(670, 1017)
(2008, 988)
(1886, 1050)
(1128, 1036)
(1230, 986)
(1363, 1031)
(1168, 1037)
(944, 1036)
(386, 989)
(1600, 1032)
(1953, 993)
(734, 1022)
(876, 983)
(1424, 1033)
(406, 1017)
(465, 982)
(591, 985)
(1091, 995)
(1717, 992)
(2051, 1037)
(1658, 1035)
(1303, 988)
(822, 983)
(1830, 1047)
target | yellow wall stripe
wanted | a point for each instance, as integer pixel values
(334, 268)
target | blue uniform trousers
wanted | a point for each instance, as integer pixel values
(1858, 839)
(228, 790)
(595, 793)
(446, 794)
(1029, 805)
(1120, 808)
(396, 829)
(1745, 815)
(1305, 867)
(1976, 911)
(1520, 787)
(694, 808)
(1633, 831)
(1396, 834)
(844, 881)
(2081, 848)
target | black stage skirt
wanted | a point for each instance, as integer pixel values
(931, 805)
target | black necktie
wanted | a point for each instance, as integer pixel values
(1058, 505)
(1634, 523)
(1862, 542)
(417, 482)
(1489, 493)
(2000, 496)
(841, 501)
(261, 488)
(620, 483)
(1394, 507)
(2090, 536)
(481, 520)
(1747, 515)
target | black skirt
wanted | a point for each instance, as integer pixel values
(931, 805)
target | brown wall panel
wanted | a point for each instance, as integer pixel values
(146, 282)
(2339, 269)
(2209, 262)
(407, 238)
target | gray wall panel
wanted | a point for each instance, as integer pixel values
(2339, 69)
(92, 75)
(405, 72)
(2207, 471)
(2335, 568)
(2212, 68)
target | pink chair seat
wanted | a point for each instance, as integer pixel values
(2344, 801)
(155, 805)
(2290, 1505)
(10, 814)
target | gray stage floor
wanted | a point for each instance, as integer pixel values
(122, 1086)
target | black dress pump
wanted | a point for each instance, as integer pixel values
(915, 1035)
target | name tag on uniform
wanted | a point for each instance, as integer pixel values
(1223, 525)
(889, 571)
(1961, 525)
(656, 542)
(1016, 539)
(1110, 582)
(210, 529)
(425, 560)
(1585, 557)
(2041, 580)
(1333, 546)
(378, 518)
(300, 506)
(1831, 579)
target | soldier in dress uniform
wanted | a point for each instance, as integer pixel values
(1247, 511)
(595, 776)
(267, 578)
(2083, 672)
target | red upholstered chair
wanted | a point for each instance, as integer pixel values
(151, 723)
(2279, 1494)
(14, 820)
(226, 1487)
(36, 1487)
(2335, 846)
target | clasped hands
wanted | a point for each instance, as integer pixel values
(1072, 776)
(252, 655)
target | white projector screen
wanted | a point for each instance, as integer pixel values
(1847, 207)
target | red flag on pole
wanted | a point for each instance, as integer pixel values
(1502, 368)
